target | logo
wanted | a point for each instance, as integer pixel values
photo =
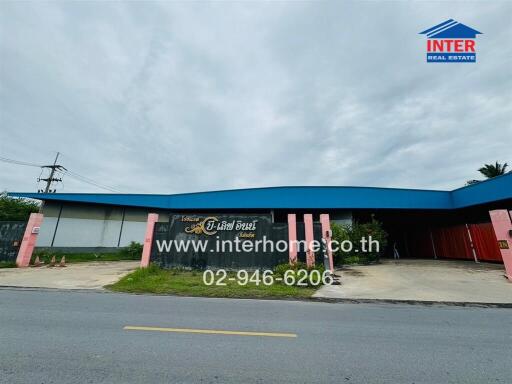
(206, 226)
(451, 42)
(211, 225)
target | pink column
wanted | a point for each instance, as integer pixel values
(308, 227)
(148, 239)
(292, 237)
(502, 227)
(326, 235)
(29, 240)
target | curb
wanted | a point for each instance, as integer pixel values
(328, 300)
(48, 289)
(427, 303)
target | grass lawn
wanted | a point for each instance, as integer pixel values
(131, 252)
(7, 264)
(190, 283)
(46, 256)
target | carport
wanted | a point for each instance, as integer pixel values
(465, 234)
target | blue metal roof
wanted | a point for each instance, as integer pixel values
(499, 188)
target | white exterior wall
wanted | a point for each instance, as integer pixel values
(73, 232)
(133, 231)
(44, 239)
(92, 226)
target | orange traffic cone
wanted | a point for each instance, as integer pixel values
(37, 262)
(52, 262)
(62, 262)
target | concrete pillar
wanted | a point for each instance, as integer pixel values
(292, 237)
(327, 236)
(29, 240)
(502, 225)
(308, 228)
(148, 239)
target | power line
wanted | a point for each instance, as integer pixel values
(49, 180)
(11, 161)
(84, 179)
(60, 169)
(90, 181)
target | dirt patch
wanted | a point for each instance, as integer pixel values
(350, 272)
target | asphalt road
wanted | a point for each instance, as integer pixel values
(78, 337)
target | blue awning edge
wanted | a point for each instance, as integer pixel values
(301, 197)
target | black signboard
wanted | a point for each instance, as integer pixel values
(11, 234)
(219, 240)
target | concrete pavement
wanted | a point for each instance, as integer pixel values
(423, 280)
(88, 275)
(76, 337)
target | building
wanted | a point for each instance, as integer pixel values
(417, 221)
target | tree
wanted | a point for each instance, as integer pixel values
(16, 209)
(493, 170)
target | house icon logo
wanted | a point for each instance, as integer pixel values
(451, 42)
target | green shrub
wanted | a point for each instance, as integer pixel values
(281, 269)
(354, 233)
(374, 230)
(340, 233)
(133, 251)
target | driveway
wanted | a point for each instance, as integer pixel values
(87, 275)
(423, 280)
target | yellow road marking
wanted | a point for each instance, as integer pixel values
(208, 331)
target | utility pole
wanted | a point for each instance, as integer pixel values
(49, 180)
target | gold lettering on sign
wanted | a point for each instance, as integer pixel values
(245, 235)
(189, 219)
(207, 226)
(211, 225)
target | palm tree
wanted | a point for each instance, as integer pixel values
(493, 170)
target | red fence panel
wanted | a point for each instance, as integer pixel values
(485, 242)
(452, 243)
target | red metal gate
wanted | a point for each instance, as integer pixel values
(485, 242)
(456, 242)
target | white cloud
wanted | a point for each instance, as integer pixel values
(175, 97)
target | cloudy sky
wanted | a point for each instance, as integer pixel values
(175, 97)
